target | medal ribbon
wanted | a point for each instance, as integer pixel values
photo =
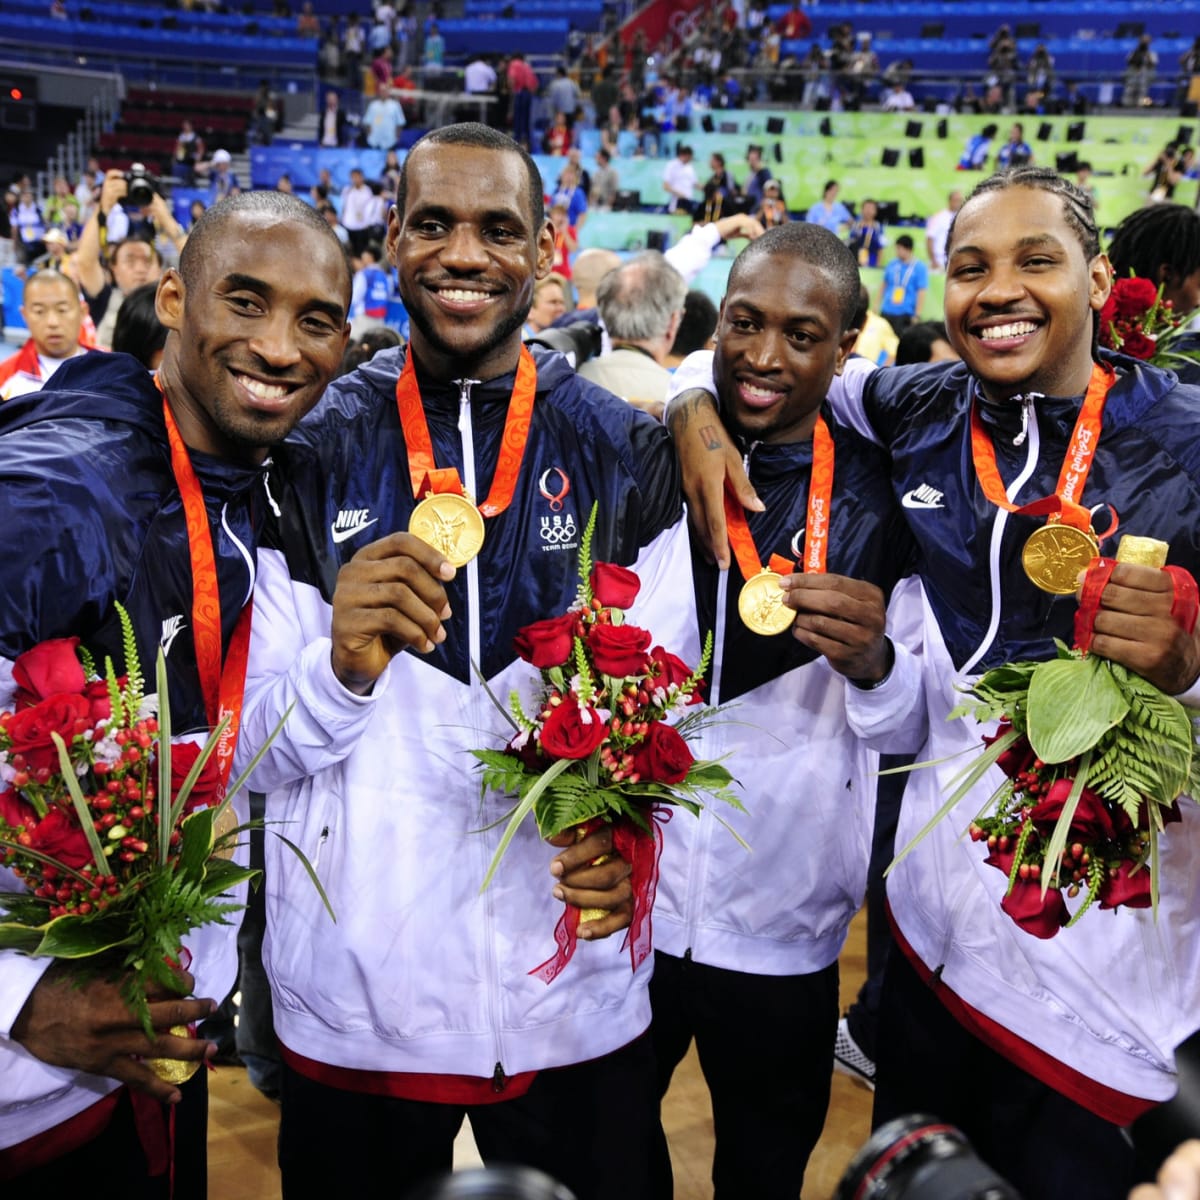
(816, 526)
(1185, 600)
(1064, 505)
(222, 686)
(428, 477)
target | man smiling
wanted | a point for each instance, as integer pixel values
(96, 472)
(419, 1007)
(1038, 1049)
(760, 934)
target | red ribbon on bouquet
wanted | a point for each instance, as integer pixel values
(1185, 607)
(641, 850)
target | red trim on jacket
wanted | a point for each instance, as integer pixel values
(410, 1085)
(1107, 1103)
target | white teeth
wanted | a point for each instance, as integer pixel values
(1016, 329)
(264, 391)
(761, 393)
(462, 295)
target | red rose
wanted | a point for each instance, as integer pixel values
(663, 756)
(1002, 860)
(572, 732)
(96, 694)
(668, 671)
(1129, 889)
(1018, 757)
(46, 670)
(30, 729)
(618, 650)
(1092, 821)
(14, 812)
(1137, 345)
(58, 835)
(1042, 916)
(206, 791)
(547, 643)
(1133, 297)
(613, 586)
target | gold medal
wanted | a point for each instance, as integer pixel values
(175, 1070)
(451, 524)
(1055, 554)
(761, 606)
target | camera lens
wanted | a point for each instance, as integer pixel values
(920, 1158)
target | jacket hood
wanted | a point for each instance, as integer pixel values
(98, 385)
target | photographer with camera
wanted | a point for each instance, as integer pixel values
(109, 263)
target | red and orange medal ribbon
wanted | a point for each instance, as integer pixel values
(760, 601)
(1056, 553)
(222, 676)
(446, 518)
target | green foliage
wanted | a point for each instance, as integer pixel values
(135, 686)
(585, 556)
(1072, 703)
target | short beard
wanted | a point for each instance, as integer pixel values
(499, 335)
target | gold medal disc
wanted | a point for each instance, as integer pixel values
(451, 524)
(174, 1070)
(761, 606)
(1055, 554)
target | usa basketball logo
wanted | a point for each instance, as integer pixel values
(557, 478)
(559, 530)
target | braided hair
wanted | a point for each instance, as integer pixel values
(1077, 204)
(1160, 242)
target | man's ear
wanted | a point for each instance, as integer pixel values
(545, 250)
(169, 299)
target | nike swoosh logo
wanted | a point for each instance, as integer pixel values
(910, 501)
(340, 535)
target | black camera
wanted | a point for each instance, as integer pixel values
(578, 340)
(918, 1157)
(142, 186)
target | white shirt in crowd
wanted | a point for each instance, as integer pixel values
(479, 77)
(937, 230)
(679, 178)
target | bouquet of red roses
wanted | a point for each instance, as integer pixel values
(122, 839)
(1095, 759)
(1137, 321)
(598, 745)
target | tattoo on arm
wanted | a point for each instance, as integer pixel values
(681, 410)
(711, 440)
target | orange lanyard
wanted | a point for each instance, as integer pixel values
(224, 686)
(816, 526)
(1064, 505)
(428, 477)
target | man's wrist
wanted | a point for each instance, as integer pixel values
(870, 682)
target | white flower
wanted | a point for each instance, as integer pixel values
(107, 751)
(148, 707)
(521, 740)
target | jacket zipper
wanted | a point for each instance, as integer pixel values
(1031, 435)
(696, 868)
(467, 440)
